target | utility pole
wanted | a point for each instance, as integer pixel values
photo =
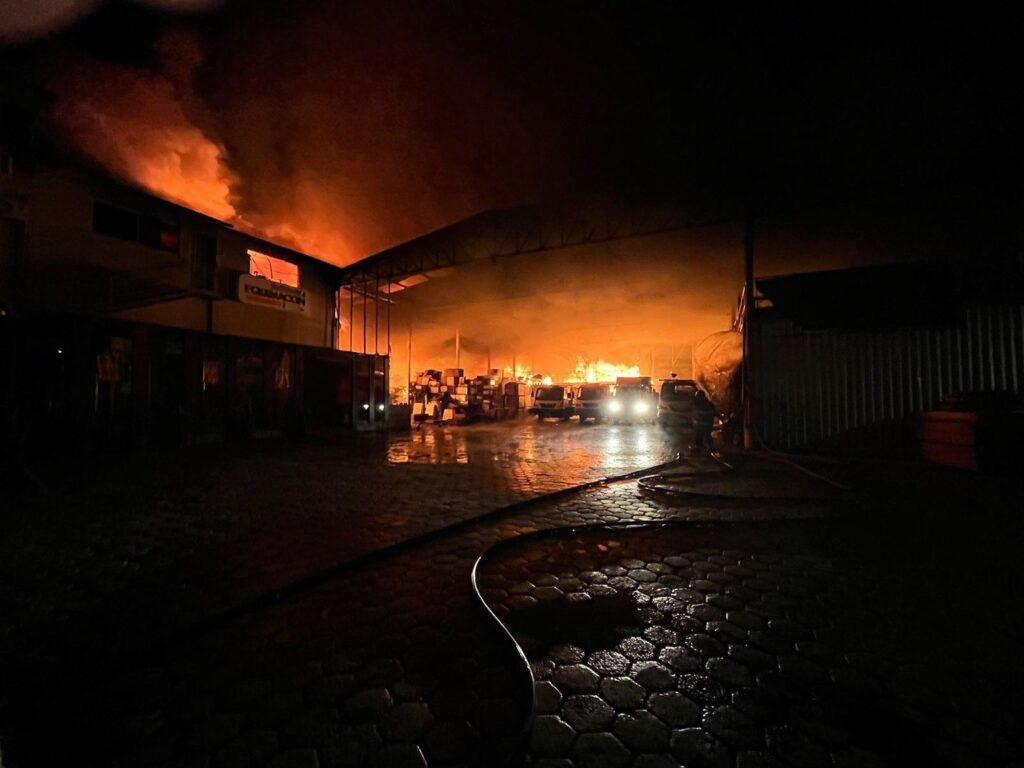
(748, 316)
(408, 366)
(458, 344)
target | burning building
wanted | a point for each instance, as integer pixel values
(130, 319)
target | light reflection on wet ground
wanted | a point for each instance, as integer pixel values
(591, 446)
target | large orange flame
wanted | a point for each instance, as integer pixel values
(599, 371)
(131, 123)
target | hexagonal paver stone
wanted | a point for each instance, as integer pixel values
(685, 625)
(729, 672)
(551, 736)
(636, 648)
(701, 688)
(601, 750)
(705, 612)
(726, 602)
(745, 619)
(733, 728)
(750, 656)
(705, 645)
(623, 693)
(642, 732)
(622, 582)
(726, 632)
(587, 713)
(370, 703)
(577, 678)
(661, 635)
(770, 642)
(567, 654)
(680, 659)
(608, 662)
(675, 708)
(668, 604)
(696, 747)
(755, 703)
(407, 722)
(653, 676)
(677, 562)
(547, 697)
(547, 593)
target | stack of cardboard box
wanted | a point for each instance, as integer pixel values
(481, 397)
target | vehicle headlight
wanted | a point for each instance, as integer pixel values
(614, 407)
(640, 407)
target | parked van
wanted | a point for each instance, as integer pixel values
(676, 408)
(552, 402)
(590, 401)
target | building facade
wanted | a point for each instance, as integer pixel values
(129, 319)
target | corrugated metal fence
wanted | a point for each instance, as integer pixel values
(850, 390)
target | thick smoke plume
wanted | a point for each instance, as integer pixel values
(134, 123)
(335, 130)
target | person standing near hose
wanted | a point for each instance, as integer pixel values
(703, 421)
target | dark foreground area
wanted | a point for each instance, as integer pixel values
(312, 605)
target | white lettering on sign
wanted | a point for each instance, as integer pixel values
(264, 293)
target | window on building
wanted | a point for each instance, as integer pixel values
(277, 270)
(204, 261)
(108, 220)
(127, 225)
(157, 234)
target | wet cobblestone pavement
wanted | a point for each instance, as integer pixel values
(394, 661)
(207, 529)
(741, 646)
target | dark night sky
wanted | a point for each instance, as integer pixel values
(391, 121)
